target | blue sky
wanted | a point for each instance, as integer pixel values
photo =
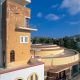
(55, 18)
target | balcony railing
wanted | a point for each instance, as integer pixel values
(26, 28)
(28, 1)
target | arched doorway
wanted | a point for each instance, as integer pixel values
(33, 77)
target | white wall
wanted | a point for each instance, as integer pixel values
(24, 73)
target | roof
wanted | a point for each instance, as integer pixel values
(40, 47)
(57, 69)
(66, 53)
(31, 64)
(43, 45)
(33, 61)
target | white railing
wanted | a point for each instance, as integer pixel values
(28, 1)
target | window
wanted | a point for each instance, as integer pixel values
(12, 56)
(33, 77)
(20, 20)
(27, 22)
(23, 39)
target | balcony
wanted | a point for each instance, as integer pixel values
(25, 28)
(28, 1)
(22, 2)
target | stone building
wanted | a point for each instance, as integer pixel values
(15, 58)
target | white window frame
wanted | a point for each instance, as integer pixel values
(24, 39)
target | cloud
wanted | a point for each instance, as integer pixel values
(52, 17)
(39, 15)
(74, 22)
(73, 6)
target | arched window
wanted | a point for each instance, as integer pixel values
(33, 77)
(12, 56)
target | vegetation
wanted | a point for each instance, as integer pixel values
(72, 42)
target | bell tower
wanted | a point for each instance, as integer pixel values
(15, 33)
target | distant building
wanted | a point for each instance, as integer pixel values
(60, 63)
(16, 62)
